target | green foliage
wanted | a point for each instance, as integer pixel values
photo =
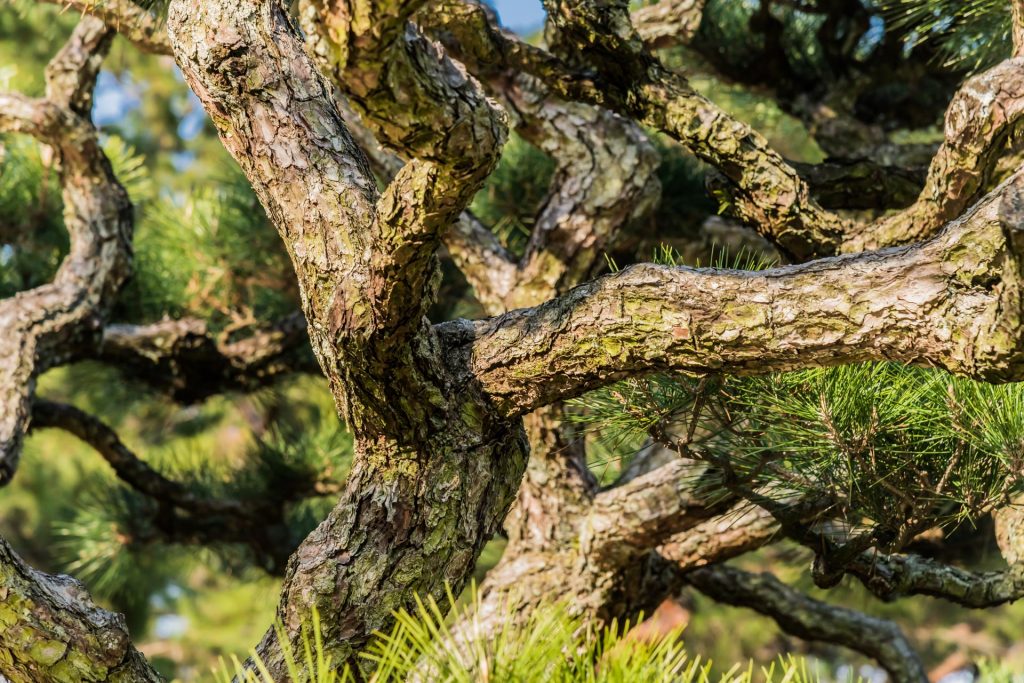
(893, 446)
(550, 645)
(514, 192)
(212, 254)
(312, 665)
(969, 33)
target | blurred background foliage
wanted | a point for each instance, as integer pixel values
(204, 248)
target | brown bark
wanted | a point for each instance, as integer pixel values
(907, 304)
(436, 466)
(50, 630)
(436, 410)
(880, 639)
(42, 325)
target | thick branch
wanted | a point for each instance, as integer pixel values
(627, 521)
(810, 619)
(420, 103)
(913, 304)
(744, 528)
(52, 631)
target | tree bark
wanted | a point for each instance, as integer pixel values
(50, 630)
(436, 465)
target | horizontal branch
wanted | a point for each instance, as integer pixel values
(912, 304)
(628, 520)
(183, 358)
(891, 577)
(804, 617)
(742, 529)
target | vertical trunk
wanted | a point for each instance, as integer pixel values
(557, 487)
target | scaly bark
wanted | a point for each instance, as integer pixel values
(436, 466)
(50, 630)
(910, 304)
(41, 326)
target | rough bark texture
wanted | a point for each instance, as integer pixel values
(913, 304)
(42, 325)
(50, 630)
(436, 465)
(811, 619)
(437, 411)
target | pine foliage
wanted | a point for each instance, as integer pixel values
(551, 646)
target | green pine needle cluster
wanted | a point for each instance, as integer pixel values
(972, 34)
(898, 448)
(551, 646)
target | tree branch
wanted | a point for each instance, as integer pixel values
(43, 323)
(626, 521)
(742, 529)
(895, 576)
(1017, 30)
(182, 358)
(58, 633)
(810, 619)
(427, 108)
(903, 304)
(980, 119)
(128, 467)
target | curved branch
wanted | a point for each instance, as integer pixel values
(128, 467)
(909, 304)
(41, 325)
(810, 619)
(179, 514)
(982, 116)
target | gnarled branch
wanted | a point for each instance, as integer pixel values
(42, 324)
(810, 619)
(908, 304)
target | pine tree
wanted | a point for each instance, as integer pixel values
(818, 360)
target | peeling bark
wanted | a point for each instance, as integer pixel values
(50, 630)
